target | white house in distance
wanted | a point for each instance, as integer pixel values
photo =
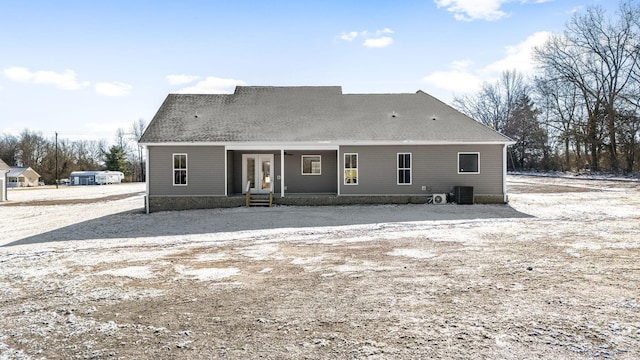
(4, 169)
(95, 177)
(22, 176)
(315, 145)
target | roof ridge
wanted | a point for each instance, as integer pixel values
(244, 88)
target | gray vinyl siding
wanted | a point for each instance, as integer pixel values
(295, 182)
(231, 175)
(205, 171)
(433, 166)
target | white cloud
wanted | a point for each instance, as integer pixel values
(181, 79)
(519, 56)
(350, 36)
(384, 31)
(458, 79)
(212, 85)
(378, 43)
(463, 77)
(113, 88)
(371, 40)
(469, 10)
(66, 80)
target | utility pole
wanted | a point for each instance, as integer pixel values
(57, 160)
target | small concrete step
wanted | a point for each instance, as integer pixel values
(260, 201)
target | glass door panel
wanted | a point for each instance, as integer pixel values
(257, 170)
(266, 174)
(251, 172)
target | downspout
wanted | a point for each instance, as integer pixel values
(146, 178)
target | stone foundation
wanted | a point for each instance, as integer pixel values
(169, 203)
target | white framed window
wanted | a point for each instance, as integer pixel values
(311, 165)
(351, 169)
(404, 169)
(468, 163)
(179, 169)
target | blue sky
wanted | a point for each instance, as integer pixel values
(85, 68)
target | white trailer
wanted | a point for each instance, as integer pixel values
(96, 177)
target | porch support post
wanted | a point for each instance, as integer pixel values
(282, 173)
(226, 172)
(338, 171)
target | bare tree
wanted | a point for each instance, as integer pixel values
(9, 149)
(598, 55)
(564, 116)
(494, 103)
(137, 129)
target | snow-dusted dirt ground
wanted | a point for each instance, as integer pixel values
(554, 275)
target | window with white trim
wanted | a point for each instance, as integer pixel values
(469, 163)
(404, 168)
(350, 169)
(311, 165)
(179, 169)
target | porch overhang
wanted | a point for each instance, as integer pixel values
(260, 147)
(282, 147)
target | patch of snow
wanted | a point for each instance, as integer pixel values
(573, 253)
(359, 267)
(40, 272)
(261, 252)
(306, 261)
(586, 246)
(412, 253)
(136, 272)
(123, 255)
(211, 257)
(207, 274)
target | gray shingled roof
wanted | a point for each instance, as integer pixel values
(16, 171)
(311, 114)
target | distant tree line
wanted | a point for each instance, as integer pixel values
(32, 149)
(582, 109)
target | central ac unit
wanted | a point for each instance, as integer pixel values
(439, 199)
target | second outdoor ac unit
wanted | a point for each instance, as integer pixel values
(439, 199)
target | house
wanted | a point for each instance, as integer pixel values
(22, 176)
(4, 169)
(95, 177)
(316, 145)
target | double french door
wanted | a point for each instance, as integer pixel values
(258, 170)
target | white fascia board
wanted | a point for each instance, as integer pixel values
(255, 145)
(417, 142)
(282, 146)
(322, 145)
(191, 143)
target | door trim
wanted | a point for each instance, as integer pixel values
(259, 159)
